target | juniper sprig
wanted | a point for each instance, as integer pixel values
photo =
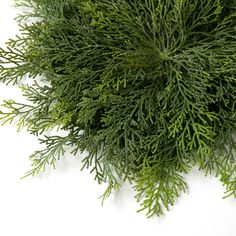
(147, 87)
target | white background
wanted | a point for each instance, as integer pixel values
(65, 201)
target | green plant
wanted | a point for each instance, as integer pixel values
(147, 87)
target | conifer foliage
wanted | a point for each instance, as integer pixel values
(147, 87)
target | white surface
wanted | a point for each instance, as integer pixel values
(65, 201)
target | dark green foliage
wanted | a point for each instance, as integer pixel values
(147, 87)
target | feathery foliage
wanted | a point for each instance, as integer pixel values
(147, 87)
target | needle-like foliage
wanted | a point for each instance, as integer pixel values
(147, 87)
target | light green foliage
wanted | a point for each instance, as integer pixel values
(147, 87)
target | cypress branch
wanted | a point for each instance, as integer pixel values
(147, 87)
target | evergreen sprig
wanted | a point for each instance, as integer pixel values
(147, 87)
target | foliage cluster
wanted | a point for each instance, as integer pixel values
(147, 87)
